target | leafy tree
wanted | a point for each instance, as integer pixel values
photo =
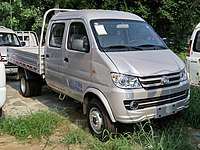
(4, 13)
(174, 19)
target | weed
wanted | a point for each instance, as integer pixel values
(33, 125)
(192, 114)
(74, 136)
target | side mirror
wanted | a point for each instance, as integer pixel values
(80, 45)
(23, 44)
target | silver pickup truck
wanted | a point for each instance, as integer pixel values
(30, 38)
(113, 62)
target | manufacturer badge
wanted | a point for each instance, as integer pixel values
(165, 80)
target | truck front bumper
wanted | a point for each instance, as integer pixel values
(154, 103)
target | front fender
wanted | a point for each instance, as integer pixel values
(103, 100)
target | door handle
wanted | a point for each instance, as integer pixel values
(47, 55)
(66, 59)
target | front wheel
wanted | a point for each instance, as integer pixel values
(98, 119)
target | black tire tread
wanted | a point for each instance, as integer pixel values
(29, 85)
(108, 124)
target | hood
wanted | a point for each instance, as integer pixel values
(146, 63)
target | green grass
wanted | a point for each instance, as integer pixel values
(166, 133)
(192, 114)
(36, 125)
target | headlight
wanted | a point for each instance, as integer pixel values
(125, 81)
(183, 75)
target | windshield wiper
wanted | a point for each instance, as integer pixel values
(10, 44)
(152, 46)
(135, 48)
(116, 46)
(123, 47)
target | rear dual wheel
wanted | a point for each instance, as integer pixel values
(30, 87)
(26, 87)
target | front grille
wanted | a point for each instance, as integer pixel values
(157, 101)
(153, 82)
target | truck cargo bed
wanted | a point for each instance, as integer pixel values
(27, 58)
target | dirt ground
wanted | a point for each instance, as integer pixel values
(18, 105)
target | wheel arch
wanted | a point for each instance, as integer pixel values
(92, 92)
(28, 74)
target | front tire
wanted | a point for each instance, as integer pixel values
(98, 120)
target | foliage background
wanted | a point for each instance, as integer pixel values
(172, 19)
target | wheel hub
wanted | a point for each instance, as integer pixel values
(96, 120)
(23, 85)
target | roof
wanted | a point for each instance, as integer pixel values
(91, 14)
(5, 30)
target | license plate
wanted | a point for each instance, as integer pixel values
(166, 110)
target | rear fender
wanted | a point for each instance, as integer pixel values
(28, 74)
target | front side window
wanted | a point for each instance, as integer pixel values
(77, 38)
(122, 35)
(197, 42)
(9, 39)
(56, 35)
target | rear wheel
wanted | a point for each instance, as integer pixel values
(98, 119)
(37, 87)
(26, 87)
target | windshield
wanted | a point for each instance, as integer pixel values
(8, 39)
(125, 35)
(197, 42)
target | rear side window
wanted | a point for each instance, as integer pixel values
(56, 35)
(196, 46)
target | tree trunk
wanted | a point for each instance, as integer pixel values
(56, 5)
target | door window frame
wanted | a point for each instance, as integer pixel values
(79, 35)
(58, 37)
(197, 41)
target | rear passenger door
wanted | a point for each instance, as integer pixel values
(53, 56)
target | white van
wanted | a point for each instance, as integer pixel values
(193, 57)
(2, 85)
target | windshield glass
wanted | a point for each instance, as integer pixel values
(197, 42)
(124, 35)
(8, 39)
